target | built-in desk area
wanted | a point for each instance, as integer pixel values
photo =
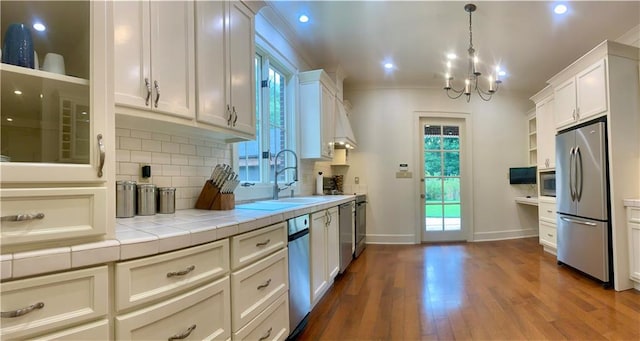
(527, 200)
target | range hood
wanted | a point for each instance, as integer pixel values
(344, 137)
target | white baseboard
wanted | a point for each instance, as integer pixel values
(502, 235)
(390, 239)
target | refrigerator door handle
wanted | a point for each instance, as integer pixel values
(571, 177)
(579, 177)
(587, 223)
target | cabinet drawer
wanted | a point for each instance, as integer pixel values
(249, 247)
(91, 331)
(257, 286)
(56, 213)
(634, 214)
(147, 279)
(68, 298)
(202, 313)
(547, 211)
(271, 324)
(547, 234)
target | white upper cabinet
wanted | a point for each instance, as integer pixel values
(317, 115)
(154, 56)
(545, 129)
(54, 119)
(582, 97)
(225, 64)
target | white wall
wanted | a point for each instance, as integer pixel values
(384, 124)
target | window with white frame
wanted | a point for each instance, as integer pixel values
(256, 159)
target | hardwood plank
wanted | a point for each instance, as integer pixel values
(503, 290)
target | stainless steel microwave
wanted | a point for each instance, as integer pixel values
(548, 184)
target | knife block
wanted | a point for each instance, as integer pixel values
(211, 199)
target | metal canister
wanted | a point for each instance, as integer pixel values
(166, 200)
(146, 199)
(125, 199)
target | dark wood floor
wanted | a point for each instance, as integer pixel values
(506, 290)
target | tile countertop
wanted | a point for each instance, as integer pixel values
(632, 202)
(149, 235)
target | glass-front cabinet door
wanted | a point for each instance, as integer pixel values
(54, 91)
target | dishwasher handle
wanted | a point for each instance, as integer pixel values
(298, 235)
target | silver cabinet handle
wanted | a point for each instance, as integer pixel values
(587, 223)
(549, 235)
(574, 114)
(549, 211)
(235, 116)
(266, 284)
(182, 272)
(23, 217)
(23, 311)
(183, 335)
(230, 115)
(148, 85)
(102, 155)
(157, 86)
(263, 243)
(266, 336)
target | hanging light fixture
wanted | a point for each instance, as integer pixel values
(471, 82)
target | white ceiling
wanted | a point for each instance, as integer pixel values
(525, 37)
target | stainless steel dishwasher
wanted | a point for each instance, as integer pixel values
(347, 214)
(299, 275)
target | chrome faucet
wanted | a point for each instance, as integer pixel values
(277, 189)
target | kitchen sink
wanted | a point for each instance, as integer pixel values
(300, 200)
(267, 205)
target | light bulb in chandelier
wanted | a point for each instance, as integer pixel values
(472, 79)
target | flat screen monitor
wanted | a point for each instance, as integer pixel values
(522, 175)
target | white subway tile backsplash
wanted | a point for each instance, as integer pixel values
(130, 143)
(187, 149)
(161, 158)
(196, 161)
(140, 156)
(179, 159)
(152, 145)
(128, 168)
(123, 155)
(170, 147)
(176, 161)
(123, 132)
(141, 134)
(172, 170)
(179, 139)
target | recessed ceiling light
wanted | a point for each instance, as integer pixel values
(18, 92)
(39, 26)
(502, 73)
(388, 66)
(451, 56)
(303, 18)
(560, 9)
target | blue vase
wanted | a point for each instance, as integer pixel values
(18, 46)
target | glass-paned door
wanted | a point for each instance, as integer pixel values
(442, 165)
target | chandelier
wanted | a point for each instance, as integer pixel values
(471, 82)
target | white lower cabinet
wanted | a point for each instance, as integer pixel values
(271, 324)
(547, 223)
(633, 215)
(98, 331)
(48, 303)
(200, 314)
(324, 250)
(257, 286)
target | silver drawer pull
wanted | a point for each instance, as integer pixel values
(183, 335)
(181, 273)
(263, 243)
(266, 336)
(23, 311)
(549, 234)
(549, 211)
(586, 223)
(23, 217)
(102, 155)
(266, 284)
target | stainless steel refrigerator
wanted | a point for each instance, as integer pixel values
(582, 192)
